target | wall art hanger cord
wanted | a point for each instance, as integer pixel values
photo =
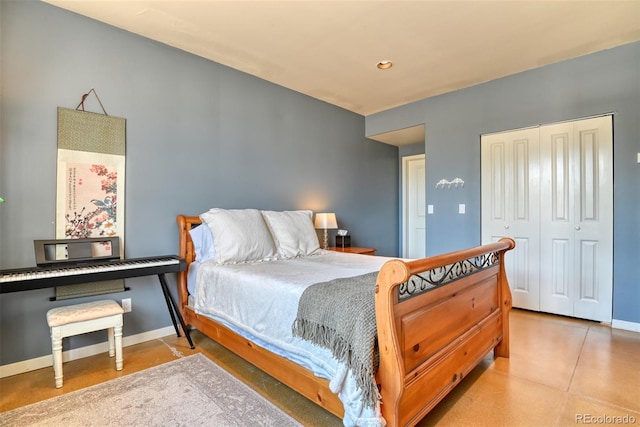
(85, 97)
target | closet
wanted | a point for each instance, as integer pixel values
(550, 188)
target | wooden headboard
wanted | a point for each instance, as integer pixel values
(187, 252)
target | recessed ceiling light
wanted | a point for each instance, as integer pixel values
(385, 65)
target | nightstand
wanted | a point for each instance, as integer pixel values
(354, 250)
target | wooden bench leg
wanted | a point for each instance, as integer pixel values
(56, 348)
(112, 347)
(117, 333)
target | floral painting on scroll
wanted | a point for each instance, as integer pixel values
(91, 173)
(90, 186)
(92, 200)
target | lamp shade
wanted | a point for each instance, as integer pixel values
(326, 221)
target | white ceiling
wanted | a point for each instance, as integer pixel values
(329, 49)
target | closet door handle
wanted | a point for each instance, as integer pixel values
(577, 228)
(506, 227)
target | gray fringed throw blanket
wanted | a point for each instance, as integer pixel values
(340, 315)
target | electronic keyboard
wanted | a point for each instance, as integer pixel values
(70, 273)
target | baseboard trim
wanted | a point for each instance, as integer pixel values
(79, 353)
(623, 324)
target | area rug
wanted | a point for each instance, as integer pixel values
(191, 391)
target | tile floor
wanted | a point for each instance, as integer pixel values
(562, 372)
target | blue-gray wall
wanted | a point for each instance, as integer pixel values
(603, 82)
(199, 135)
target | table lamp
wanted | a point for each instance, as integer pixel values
(326, 221)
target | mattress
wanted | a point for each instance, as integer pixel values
(259, 301)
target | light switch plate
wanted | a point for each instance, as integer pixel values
(430, 209)
(461, 208)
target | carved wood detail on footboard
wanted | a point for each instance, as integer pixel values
(438, 317)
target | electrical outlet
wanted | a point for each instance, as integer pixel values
(126, 305)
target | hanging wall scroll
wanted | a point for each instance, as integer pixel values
(90, 184)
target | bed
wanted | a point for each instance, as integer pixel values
(435, 318)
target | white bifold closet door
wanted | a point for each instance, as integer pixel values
(551, 189)
(576, 208)
(510, 189)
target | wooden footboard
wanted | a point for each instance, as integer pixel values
(437, 319)
(429, 339)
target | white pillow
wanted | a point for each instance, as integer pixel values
(202, 242)
(240, 235)
(293, 232)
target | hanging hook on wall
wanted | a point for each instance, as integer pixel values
(442, 183)
(85, 97)
(456, 183)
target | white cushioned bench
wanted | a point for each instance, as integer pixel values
(82, 318)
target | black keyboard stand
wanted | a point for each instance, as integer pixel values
(173, 308)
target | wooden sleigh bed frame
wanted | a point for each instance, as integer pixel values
(427, 342)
